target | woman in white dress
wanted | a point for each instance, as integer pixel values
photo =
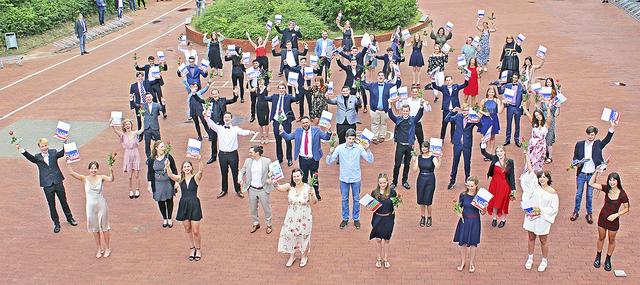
(540, 202)
(97, 211)
(296, 229)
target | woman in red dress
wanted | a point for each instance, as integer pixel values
(261, 52)
(471, 91)
(502, 186)
(608, 221)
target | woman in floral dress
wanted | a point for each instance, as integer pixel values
(485, 33)
(318, 99)
(538, 140)
(296, 229)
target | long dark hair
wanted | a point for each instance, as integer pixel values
(538, 123)
(616, 176)
(547, 174)
(292, 183)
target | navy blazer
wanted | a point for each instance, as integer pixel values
(138, 98)
(283, 54)
(517, 105)
(413, 121)
(286, 106)
(289, 35)
(462, 135)
(300, 70)
(193, 76)
(453, 97)
(373, 94)
(316, 135)
(359, 56)
(596, 151)
(49, 174)
(351, 78)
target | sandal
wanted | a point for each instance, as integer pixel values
(472, 268)
(107, 252)
(548, 160)
(137, 194)
(269, 229)
(197, 256)
(303, 261)
(131, 194)
(378, 263)
(460, 268)
(192, 256)
(99, 253)
(387, 265)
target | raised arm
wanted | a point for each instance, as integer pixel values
(74, 174)
(340, 27)
(116, 131)
(170, 173)
(593, 183)
(250, 40)
(485, 153)
(200, 168)
(607, 139)
(110, 177)
(478, 25)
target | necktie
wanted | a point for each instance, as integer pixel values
(142, 91)
(306, 143)
(227, 127)
(281, 104)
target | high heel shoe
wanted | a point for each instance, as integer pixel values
(137, 194)
(170, 224)
(197, 255)
(192, 256)
(131, 194)
(99, 254)
(107, 252)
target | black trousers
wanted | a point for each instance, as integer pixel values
(156, 92)
(325, 64)
(419, 133)
(254, 99)
(197, 120)
(143, 4)
(306, 94)
(264, 62)
(443, 129)
(403, 156)
(213, 138)
(238, 79)
(50, 192)
(309, 166)
(286, 125)
(229, 160)
(166, 208)
(341, 129)
(149, 135)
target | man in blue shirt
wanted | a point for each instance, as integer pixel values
(349, 154)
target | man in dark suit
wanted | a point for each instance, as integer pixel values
(450, 100)
(290, 34)
(514, 110)
(218, 109)
(281, 111)
(379, 104)
(81, 32)
(591, 148)
(289, 53)
(137, 93)
(50, 180)
(404, 136)
(155, 82)
(346, 112)
(354, 54)
(304, 83)
(151, 124)
(307, 149)
(462, 142)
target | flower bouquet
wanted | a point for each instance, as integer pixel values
(111, 158)
(167, 147)
(421, 93)
(281, 118)
(333, 140)
(314, 180)
(14, 140)
(525, 145)
(396, 201)
(141, 112)
(135, 56)
(206, 105)
(458, 209)
(414, 152)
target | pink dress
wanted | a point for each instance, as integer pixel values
(131, 153)
(537, 147)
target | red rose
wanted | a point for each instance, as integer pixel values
(11, 133)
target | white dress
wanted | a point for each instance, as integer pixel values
(296, 229)
(534, 195)
(97, 211)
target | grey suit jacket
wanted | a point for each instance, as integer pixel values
(79, 28)
(151, 116)
(245, 171)
(347, 111)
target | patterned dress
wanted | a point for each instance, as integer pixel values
(318, 102)
(537, 147)
(483, 54)
(296, 229)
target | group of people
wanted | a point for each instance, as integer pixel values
(257, 177)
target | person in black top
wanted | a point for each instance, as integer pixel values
(50, 180)
(156, 82)
(304, 83)
(218, 108)
(289, 52)
(404, 136)
(290, 34)
(237, 70)
(252, 85)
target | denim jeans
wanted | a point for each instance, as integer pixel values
(581, 180)
(120, 12)
(101, 11)
(355, 193)
(132, 5)
(82, 40)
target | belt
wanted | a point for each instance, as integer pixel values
(304, 157)
(257, 188)
(404, 144)
(384, 215)
(233, 151)
(470, 216)
(425, 173)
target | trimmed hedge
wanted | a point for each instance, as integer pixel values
(233, 17)
(33, 17)
(367, 14)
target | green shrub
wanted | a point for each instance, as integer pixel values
(367, 14)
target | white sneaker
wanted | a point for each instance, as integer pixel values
(543, 265)
(529, 263)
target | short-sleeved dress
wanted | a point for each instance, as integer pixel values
(468, 232)
(97, 211)
(416, 59)
(534, 196)
(163, 185)
(383, 220)
(189, 207)
(426, 184)
(611, 207)
(131, 153)
(492, 120)
(296, 228)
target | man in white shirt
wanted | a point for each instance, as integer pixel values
(258, 184)
(228, 151)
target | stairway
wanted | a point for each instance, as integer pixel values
(631, 6)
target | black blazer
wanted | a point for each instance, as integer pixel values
(289, 35)
(146, 68)
(283, 54)
(221, 103)
(596, 151)
(349, 80)
(359, 56)
(49, 174)
(509, 174)
(137, 97)
(150, 173)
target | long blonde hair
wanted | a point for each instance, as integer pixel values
(386, 192)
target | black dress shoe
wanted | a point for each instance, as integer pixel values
(56, 228)
(518, 144)
(501, 224)
(72, 222)
(451, 184)
(422, 221)
(240, 195)
(252, 119)
(589, 219)
(289, 163)
(222, 194)
(428, 221)
(494, 223)
(254, 228)
(164, 116)
(506, 144)
(356, 224)
(211, 160)
(241, 100)
(318, 196)
(343, 224)
(86, 52)
(406, 185)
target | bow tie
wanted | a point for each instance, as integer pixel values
(380, 84)
(227, 127)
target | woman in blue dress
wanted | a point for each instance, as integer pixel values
(426, 163)
(416, 60)
(491, 107)
(485, 33)
(468, 229)
(382, 220)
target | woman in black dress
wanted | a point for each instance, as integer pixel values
(214, 45)
(509, 60)
(608, 221)
(262, 111)
(237, 70)
(189, 209)
(382, 220)
(347, 34)
(425, 163)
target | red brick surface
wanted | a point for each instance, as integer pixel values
(590, 46)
